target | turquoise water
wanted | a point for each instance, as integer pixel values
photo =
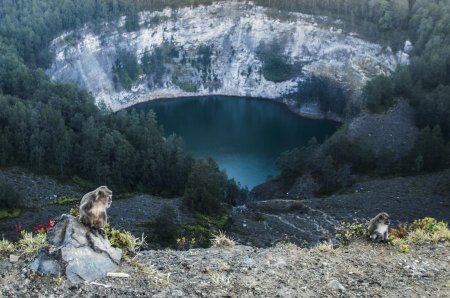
(244, 136)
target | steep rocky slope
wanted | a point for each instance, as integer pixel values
(214, 50)
(361, 269)
(309, 221)
(262, 223)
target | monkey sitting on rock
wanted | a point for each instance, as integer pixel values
(379, 228)
(93, 207)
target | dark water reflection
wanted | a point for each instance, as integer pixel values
(244, 136)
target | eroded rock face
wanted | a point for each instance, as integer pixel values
(82, 254)
(232, 33)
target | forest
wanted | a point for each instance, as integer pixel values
(57, 129)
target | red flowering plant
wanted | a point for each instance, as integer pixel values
(43, 228)
(401, 231)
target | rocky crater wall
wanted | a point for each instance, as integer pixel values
(227, 48)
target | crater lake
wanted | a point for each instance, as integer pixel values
(243, 135)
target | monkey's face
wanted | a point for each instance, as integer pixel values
(384, 219)
(104, 200)
(104, 195)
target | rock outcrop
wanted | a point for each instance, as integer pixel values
(216, 49)
(77, 252)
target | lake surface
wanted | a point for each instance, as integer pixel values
(245, 136)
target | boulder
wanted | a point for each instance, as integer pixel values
(77, 251)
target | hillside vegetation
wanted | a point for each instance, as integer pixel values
(57, 129)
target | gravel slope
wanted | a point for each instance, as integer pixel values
(361, 269)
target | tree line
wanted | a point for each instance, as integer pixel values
(56, 128)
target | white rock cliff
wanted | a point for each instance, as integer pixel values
(233, 31)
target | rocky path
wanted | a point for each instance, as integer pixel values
(360, 269)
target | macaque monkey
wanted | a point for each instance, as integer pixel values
(378, 227)
(93, 207)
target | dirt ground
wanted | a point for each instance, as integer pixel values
(361, 269)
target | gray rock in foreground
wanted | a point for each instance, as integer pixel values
(78, 252)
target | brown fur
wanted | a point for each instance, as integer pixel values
(378, 227)
(93, 207)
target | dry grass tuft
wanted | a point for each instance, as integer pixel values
(221, 240)
(6, 247)
(325, 247)
(155, 277)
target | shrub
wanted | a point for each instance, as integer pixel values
(124, 240)
(9, 197)
(352, 152)
(350, 231)
(379, 94)
(430, 151)
(126, 69)
(275, 67)
(293, 163)
(206, 188)
(422, 230)
(202, 230)
(164, 226)
(184, 243)
(132, 21)
(329, 93)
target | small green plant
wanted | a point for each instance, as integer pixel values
(59, 281)
(43, 228)
(325, 247)
(401, 231)
(203, 228)
(31, 243)
(221, 240)
(403, 248)
(220, 279)
(65, 200)
(124, 240)
(6, 247)
(350, 231)
(420, 231)
(428, 224)
(74, 212)
(285, 241)
(185, 244)
(10, 213)
(262, 216)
